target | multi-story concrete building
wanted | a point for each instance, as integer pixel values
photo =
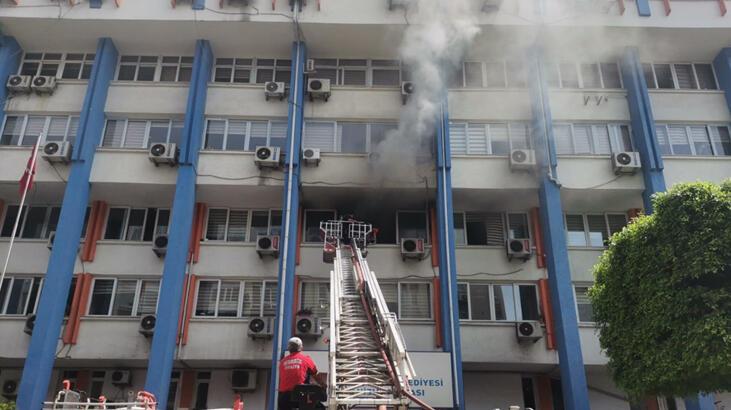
(570, 84)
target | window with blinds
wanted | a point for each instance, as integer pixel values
(683, 76)
(243, 135)
(123, 297)
(35, 222)
(484, 228)
(487, 139)
(705, 140)
(26, 129)
(591, 139)
(498, 302)
(576, 235)
(135, 134)
(593, 230)
(315, 297)
(205, 303)
(583, 304)
(415, 300)
(241, 225)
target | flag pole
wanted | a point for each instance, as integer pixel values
(26, 188)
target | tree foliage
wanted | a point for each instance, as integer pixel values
(662, 296)
(7, 406)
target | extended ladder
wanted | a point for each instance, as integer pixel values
(369, 365)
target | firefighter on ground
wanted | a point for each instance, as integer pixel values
(295, 369)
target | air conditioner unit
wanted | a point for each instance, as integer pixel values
(308, 326)
(261, 328)
(522, 159)
(243, 379)
(268, 157)
(51, 239)
(311, 156)
(626, 162)
(310, 66)
(407, 88)
(43, 84)
(518, 248)
(412, 248)
(30, 323)
(267, 245)
(19, 84)
(57, 151)
(10, 389)
(160, 245)
(490, 6)
(147, 325)
(528, 331)
(161, 153)
(275, 89)
(318, 88)
(121, 378)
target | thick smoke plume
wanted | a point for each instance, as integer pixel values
(433, 46)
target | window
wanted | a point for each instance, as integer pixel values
(473, 74)
(583, 304)
(36, 222)
(683, 76)
(412, 224)
(312, 223)
(176, 69)
(385, 73)
(241, 225)
(487, 139)
(74, 66)
(409, 300)
(569, 75)
(693, 139)
(488, 228)
(235, 298)
(234, 70)
(591, 139)
(136, 224)
(516, 74)
(131, 133)
(347, 137)
(590, 76)
(26, 129)
(610, 75)
(123, 297)
(272, 70)
(359, 72)
(501, 302)
(315, 297)
(593, 230)
(242, 135)
(19, 295)
(495, 75)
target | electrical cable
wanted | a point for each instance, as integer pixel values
(466, 275)
(597, 185)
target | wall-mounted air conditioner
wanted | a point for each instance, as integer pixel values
(489, 6)
(19, 84)
(308, 326)
(268, 157)
(310, 66)
(528, 331)
(311, 156)
(522, 159)
(412, 248)
(318, 89)
(51, 239)
(43, 84)
(275, 89)
(57, 151)
(160, 245)
(147, 325)
(267, 245)
(261, 328)
(161, 153)
(518, 248)
(30, 323)
(407, 88)
(626, 162)
(121, 377)
(10, 389)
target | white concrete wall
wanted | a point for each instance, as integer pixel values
(145, 100)
(691, 169)
(697, 106)
(66, 99)
(497, 343)
(492, 390)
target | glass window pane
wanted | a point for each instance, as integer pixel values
(706, 80)
(275, 224)
(679, 140)
(569, 75)
(127, 72)
(29, 68)
(278, 135)
(124, 297)
(185, 73)
(462, 301)
(146, 73)
(115, 223)
(528, 302)
(610, 75)
(721, 140)
(354, 77)
(258, 136)
(10, 216)
(616, 222)
(499, 139)
(316, 298)
(228, 299)
(52, 221)
(504, 302)
(135, 134)
(158, 132)
(473, 74)
(259, 224)
(163, 221)
(18, 296)
(516, 74)
(270, 299)
(480, 302)
(242, 75)
(459, 229)
(379, 133)
(168, 73)
(216, 229)
(352, 137)
(590, 76)
(252, 299)
(11, 132)
(664, 76)
(562, 138)
(662, 139)
(222, 74)
(236, 138)
(385, 78)
(701, 140)
(264, 75)
(113, 133)
(33, 227)
(135, 226)
(684, 74)
(649, 76)
(312, 224)
(33, 130)
(214, 134)
(57, 128)
(390, 294)
(4, 288)
(176, 131)
(518, 226)
(412, 225)
(49, 69)
(147, 304)
(575, 228)
(101, 297)
(600, 134)
(206, 300)
(322, 135)
(586, 314)
(415, 301)
(71, 71)
(237, 224)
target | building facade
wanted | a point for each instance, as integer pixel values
(569, 84)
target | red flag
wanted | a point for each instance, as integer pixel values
(26, 181)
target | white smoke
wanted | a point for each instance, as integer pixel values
(433, 46)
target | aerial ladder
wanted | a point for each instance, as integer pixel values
(369, 367)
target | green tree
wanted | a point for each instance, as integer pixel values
(662, 296)
(7, 406)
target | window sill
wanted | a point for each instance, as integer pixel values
(71, 81)
(478, 247)
(584, 156)
(489, 89)
(224, 152)
(26, 240)
(490, 323)
(121, 149)
(698, 157)
(249, 86)
(171, 84)
(586, 248)
(206, 319)
(588, 90)
(588, 325)
(102, 318)
(123, 242)
(682, 91)
(227, 244)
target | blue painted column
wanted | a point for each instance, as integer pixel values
(447, 263)
(700, 402)
(643, 126)
(722, 65)
(571, 364)
(290, 206)
(56, 284)
(10, 54)
(643, 8)
(164, 341)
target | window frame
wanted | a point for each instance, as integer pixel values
(249, 216)
(674, 76)
(146, 138)
(398, 284)
(27, 309)
(247, 139)
(427, 238)
(517, 301)
(86, 59)
(240, 303)
(689, 140)
(614, 134)
(21, 224)
(135, 303)
(585, 221)
(304, 221)
(574, 287)
(125, 224)
(44, 132)
(504, 216)
(512, 134)
(301, 296)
